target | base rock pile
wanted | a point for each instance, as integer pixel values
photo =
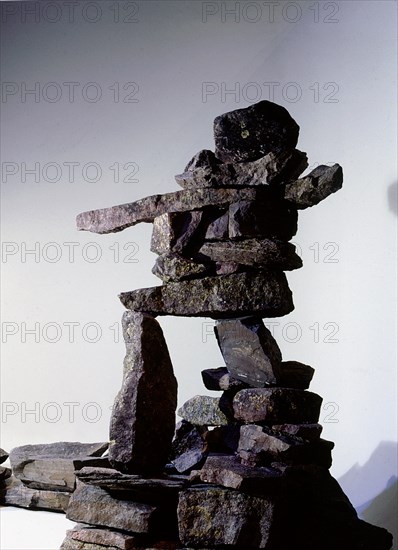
(246, 469)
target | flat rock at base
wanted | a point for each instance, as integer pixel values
(143, 416)
(273, 219)
(117, 218)
(93, 505)
(314, 188)
(92, 462)
(264, 293)
(229, 472)
(203, 410)
(253, 252)
(104, 537)
(173, 267)
(293, 374)
(212, 517)
(271, 169)
(250, 352)
(248, 134)
(3, 456)
(51, 466)
(15, 493)
(114, 481)
(277, 406)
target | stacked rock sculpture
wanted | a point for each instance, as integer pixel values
(247, 469)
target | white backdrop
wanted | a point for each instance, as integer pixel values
(103, 103)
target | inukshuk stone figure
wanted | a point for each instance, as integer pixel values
(247, 469)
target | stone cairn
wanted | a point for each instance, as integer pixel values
(247, 469)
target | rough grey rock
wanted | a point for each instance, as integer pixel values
(15, 493)
(248, 134)
(102, 537)
(172, 267)
(250, 352)
(308, 432)
(265, 293)
(221, 380)
(229, 472)
(295, 375)
(3, 456)
(5, 473)
(217, 227)
(314, 188)
(277, 406)
(117, 218)
(253, 252)
(143, 417)
(175, 231)
(203, 410)
(93, 505)
(92, 462)
(223, 439)
(51, 466)
(141, 487)
(257, 445)
(213, 516)
(273, 219)
(188, 447)
(271, 169)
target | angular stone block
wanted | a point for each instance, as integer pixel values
(250, 352)
(203, 410)
(213, 516)
(143, 417)
(293, 374)
(221, 380)
(314, 188)
(93, 505)
(188, 447)
(173, 267)
(273, 219)
(3, 456)
(277, 406)
(175, 231)
(261, 253)
(253, 132)
(102, 537)
(308, 432)
(274, 168)
(264, 293)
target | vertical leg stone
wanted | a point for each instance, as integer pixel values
(143, 416)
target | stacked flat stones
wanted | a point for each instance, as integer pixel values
(42, 477)
(246, 469)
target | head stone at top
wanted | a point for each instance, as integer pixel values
(249, 134)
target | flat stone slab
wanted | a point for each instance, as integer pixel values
(51, 466)
(263, 293)
(227, 471)
(247, 134)
(314, 188)
(205, 170)
(203, 410)
(94, 505)
(15, 493)
(250, 352)
(143, 416)
(261, 253)
(112, 480)
(102, 537)
(294, 374)
(215, 516)
(117, 218)
(276, 406)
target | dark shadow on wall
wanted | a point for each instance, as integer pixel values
(392, 196)
(373, 488)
